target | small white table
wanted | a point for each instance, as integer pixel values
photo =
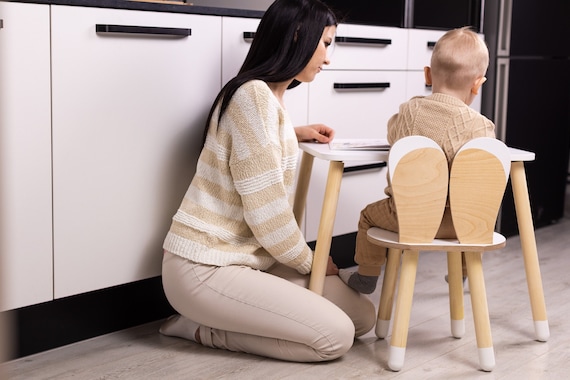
(336, 160)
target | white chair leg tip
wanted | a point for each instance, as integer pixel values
(487, 359)
(396, 360)
(542, 331)
(458, 328)
(382, 327)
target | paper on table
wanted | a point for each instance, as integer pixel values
(359, 144)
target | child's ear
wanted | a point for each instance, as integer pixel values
(477, 85)
(427, 75)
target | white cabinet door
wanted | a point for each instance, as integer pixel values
(356, 95)
(25, 156)
(357, 104)
(128, 118)
(420, 48)
(237, 35)
(362, 47)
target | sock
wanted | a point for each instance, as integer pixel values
(358, 282)
(464, 278)
(180, 327)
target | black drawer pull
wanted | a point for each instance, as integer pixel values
(128, 29)
(359, 168)
(248, 35)
(361, 86)
(431, 44)
(360, 40)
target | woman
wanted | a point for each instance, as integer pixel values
(234, 256)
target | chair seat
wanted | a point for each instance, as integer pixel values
(390, 239)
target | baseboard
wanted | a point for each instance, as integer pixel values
(342, 249)
(64, 321)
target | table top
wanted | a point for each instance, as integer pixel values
(324, 152)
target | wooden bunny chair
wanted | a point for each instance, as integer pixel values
(420, 182)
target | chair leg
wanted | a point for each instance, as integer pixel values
(456, 303)
(387, 293)
(480, 310)
(403, 310)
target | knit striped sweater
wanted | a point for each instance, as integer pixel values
(238, 207)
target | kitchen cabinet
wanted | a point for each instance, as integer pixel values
(128, 116)
(119, 105)
(420, 47)
(356, 94)
(237, 34)
(25, 156)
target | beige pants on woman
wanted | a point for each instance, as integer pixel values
(271, 313)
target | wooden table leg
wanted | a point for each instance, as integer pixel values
(324, 235)
(456, 302)
(302, 189)
(530, 254)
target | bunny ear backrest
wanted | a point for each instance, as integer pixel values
(478, 177)
(419, 175)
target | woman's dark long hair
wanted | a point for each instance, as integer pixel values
(284, 43)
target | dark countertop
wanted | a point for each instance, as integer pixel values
(151, 6)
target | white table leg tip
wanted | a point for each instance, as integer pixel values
(458, 328)
(382, 327)
(396, 360)
(487, 359)
(541, 330)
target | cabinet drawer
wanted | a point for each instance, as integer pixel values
(352, 111)
(237, 34)
(420, 47)
(358, 188)
(236, 39)
(361, 47)
(416, 84)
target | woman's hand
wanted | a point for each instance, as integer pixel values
(332, 269)
(314, 132)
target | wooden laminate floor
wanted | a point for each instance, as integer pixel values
(142, 353)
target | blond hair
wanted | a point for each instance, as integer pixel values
(460, 56)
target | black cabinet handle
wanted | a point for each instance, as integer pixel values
(360, 40)
(431, 44)
(248, 35)
(128, 29)
(359, 168)
(361, 86)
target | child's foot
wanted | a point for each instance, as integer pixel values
(358, 282)
(447, 279)
(180, 327)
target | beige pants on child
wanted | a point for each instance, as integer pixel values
(382, 214)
